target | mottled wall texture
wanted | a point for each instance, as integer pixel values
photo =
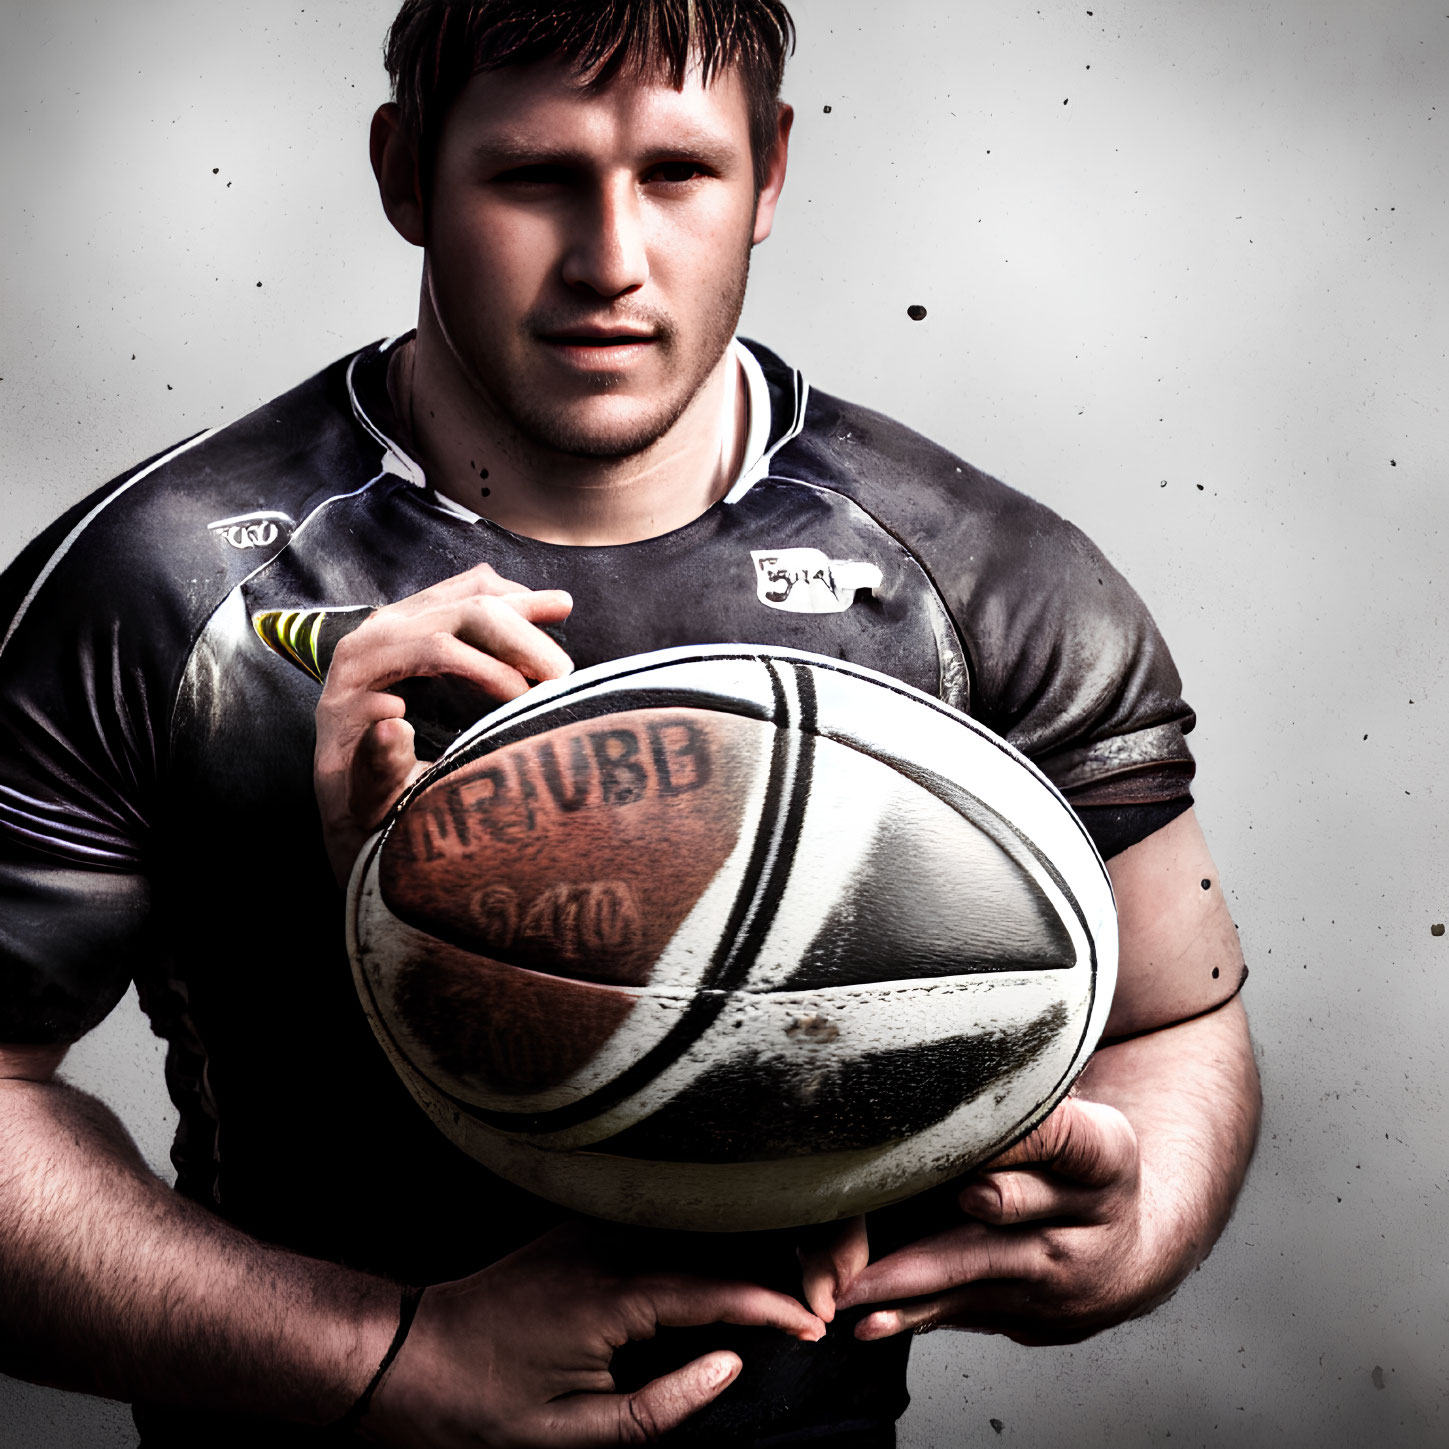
(1183, 272)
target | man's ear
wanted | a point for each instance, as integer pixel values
(769, 196)
(395, 164)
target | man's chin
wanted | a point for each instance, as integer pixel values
(573, 433)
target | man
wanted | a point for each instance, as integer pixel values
(570, 461)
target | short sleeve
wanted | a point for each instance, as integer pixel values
(1064, 660)
(76, 754)
(1071, 669)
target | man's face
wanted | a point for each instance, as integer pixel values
(587, 251)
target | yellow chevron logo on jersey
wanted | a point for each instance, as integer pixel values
(293, 633)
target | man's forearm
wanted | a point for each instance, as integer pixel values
(111, 1283)
(1192, 1096)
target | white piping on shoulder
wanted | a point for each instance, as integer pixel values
(395, 459)
(758, 453)
(80, 528)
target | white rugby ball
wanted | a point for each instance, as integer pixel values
(732, 937)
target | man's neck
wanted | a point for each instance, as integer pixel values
(473, 456)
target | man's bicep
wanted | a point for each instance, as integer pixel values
(1179, 954)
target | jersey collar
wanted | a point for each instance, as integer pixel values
(777, 396)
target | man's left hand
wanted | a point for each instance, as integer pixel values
(1058, 1244)
(1097, 1215)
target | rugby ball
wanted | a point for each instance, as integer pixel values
(732, 937)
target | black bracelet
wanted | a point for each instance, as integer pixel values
(407, 1311)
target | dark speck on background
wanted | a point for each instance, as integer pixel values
(997, 1425)
(1393, 462)
(1437, 929)
(827, 110)
(916, 313)
(1207, 885)
(1377, 1376)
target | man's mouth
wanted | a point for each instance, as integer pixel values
(588, 349)
(589, 337)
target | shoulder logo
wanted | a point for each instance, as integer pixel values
(805, 581)
(252, 530)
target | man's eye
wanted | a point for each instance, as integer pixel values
(674, 173)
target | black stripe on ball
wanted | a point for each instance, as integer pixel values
(761, 1109)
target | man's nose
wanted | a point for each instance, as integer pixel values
(608, 254)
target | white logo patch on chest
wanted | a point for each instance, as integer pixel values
(805, 581)
(252, 530)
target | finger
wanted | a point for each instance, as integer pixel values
(987, 1307)
(829, 1263)
(945, 1262)
(1007, 1198)
(391, 648)
(385, 661)
(678, 1302)
(506, 629)
(542, 606)
(1090, 1142)
(383, 766)
(648, 1413)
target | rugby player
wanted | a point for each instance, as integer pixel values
(226, 664)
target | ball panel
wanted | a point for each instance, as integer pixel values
(485, 1023)
(891, 883)
(807, 1033)
(753, 1108)
(579, 851)
(938, 749)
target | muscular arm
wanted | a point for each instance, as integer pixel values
(1102, 1211)
(112, 1284)
(115, 1285)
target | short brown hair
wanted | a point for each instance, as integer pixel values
(436, 46)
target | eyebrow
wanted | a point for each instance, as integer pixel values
(509, 150)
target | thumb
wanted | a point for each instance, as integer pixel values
(381, 768)
(658, 1407)
(1090, 1142)
(830, 1260)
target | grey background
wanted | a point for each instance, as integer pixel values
(1185, 272)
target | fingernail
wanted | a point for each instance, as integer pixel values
(721, 1370)
(980, 1196)
(876, 1325)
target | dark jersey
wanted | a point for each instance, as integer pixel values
(157, 820)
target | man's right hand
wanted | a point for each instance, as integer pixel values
(518, 1355)
(476, 627)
